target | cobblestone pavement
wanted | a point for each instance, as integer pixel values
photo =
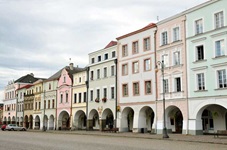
(172, 137)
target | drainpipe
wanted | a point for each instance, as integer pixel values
(56, 110)
(16, 106)
(115, 61)
(156, 86)
(71, 106)
(87, 86)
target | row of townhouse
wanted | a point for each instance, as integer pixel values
(129, 84)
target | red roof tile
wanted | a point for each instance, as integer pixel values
(112, 43)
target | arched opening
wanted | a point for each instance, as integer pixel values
(127, 119)
(93, 122)
(174, 121)
(30, 122)
(80, 120)
(51, 123)
(146, 119)
(9, 120)
(5, 120)
(37, 122)
(21, 121)
(45, 123)
(107, 119)
(13, 120)
(64, 121)
(18, 121)
(26, 123)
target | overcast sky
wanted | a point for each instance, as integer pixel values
(39, 36)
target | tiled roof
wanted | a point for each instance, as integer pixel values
(112, 43)
(26, 86)
(29, 78)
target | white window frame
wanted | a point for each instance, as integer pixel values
(174, 58)
(177, 38)
(222, 23)
(201, 26)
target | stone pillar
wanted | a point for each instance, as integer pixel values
(195, 127)
(90, 124)
(135, 128)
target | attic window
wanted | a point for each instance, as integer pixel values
(64, 80)
(105, 56)
(92, 60)
(99, 58)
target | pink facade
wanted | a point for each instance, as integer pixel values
(170, 50)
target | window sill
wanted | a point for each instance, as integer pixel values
(178, 65)
(220, 57)
(199, 61)
(201, 91)
(164, 45)
(174, 92)
(176, 41)
(218, 89)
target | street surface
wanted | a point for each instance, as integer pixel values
(18, 140)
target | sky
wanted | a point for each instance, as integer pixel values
(40, 36)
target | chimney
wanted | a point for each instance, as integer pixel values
(71, 66)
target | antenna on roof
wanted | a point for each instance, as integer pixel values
(157, 18)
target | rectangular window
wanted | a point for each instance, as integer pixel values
(147, 64)
(125, 90)
(53, 103)
(44, 104)
(166, 86)
(219, 48)
(124, 50)
(135, 66)
(61, 98)
(39, 106)
(200, 81)
(176, 58)
(164, 38)
(135, 47)
(99, 58)
(92, 75)
(75, 98)
(98, 73)
(105, 72)
(113, 54)
(112, 92)
(80, 80)
(222, 83)
(147, 87)
(199, 26)
(85, 96)
(112, 70)
(125, 69)
(219, 19)
(98, 94)
(176, 34)
(199, 53)
(105, 92)
(91, 95)
(80, 97)
(92, 60)
(67, 97)
(178, 84)
(105, 56)
(146, 43)
(35, 105)
(48, 104)
(165, 59)
(136, 88)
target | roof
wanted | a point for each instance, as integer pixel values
(29, 78)
(149, 26)
(112, 43)
(26, 86)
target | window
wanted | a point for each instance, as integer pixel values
(44, 104)
(135, 68)
(112, 70)
(222, 83)
(75, 98)
(80, 79)
(85, 96)
(147, 64)
(199, 53)
(176, 35)
(199, 26)
(49, 86)
(105, 72)
(105, 56)
(146, 44)
(164, 38)
(136, 88)
(165, 60)
(92, 75)
(39, 106)
(92, 60)
(67, 97)
(166, 86)
(147, 87)
(112, 92)
(80, 97)
(219, 20)
(178, 84)
(125, 90)
(91, 95)
(35, 105)
(98, 94)
(64, 79)
(200, 81)
(219, 48)
(176, 58)
(48, 104)
(113, 54)
(52, 103)
(124, 50)
(125, 69)
(135, 47)
(105, 92)
(61, 98)
(99, 58)
(98, 73)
